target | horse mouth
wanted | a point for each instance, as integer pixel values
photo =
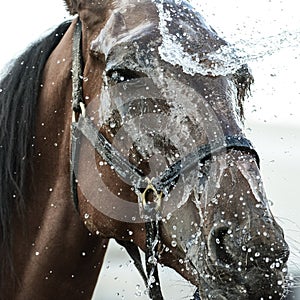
(251, 284)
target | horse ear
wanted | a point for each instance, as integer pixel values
(71, 6)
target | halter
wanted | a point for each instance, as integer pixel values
(159, 186)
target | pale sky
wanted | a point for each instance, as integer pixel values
(22, 22)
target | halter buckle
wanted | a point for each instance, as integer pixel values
(150, 207)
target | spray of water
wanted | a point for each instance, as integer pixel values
(225, 60)
(229, 58)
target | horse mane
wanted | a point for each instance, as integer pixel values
(19, 92)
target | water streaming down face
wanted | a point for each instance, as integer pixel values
(147, 95)
(163, 97)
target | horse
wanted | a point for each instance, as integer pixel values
(120, 124)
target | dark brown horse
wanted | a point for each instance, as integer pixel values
(156, 158)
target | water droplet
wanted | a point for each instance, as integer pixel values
(138, 292)
(152, 260)
(112, 124)
(279, 282)
(174, 244)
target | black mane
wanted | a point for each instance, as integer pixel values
(19, 91)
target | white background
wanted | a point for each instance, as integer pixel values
(267, 28)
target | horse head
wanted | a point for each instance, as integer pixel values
(174, 116)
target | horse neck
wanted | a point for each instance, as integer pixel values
(53, 253)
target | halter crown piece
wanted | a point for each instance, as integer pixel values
(156, 187)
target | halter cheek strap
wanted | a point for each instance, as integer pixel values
(77, 104)
(77, 65)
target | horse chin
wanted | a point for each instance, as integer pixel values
(213, 288)
(251, 284)
(219, 295)
(230, 282)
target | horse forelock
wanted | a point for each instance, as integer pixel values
(19, 91)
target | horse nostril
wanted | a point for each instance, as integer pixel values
(218, 245)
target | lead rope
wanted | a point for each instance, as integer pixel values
(150, 201)
(152, 239)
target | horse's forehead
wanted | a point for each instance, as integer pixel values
(164, 28)
(161, 41)
(126, 24)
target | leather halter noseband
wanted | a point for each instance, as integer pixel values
(159, 186)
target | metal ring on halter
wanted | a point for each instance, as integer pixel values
(157, 200)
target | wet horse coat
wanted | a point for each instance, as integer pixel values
(152, 90)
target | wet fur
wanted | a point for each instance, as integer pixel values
(20, 90)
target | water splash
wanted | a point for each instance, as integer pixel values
(228, 58)
(172, 51)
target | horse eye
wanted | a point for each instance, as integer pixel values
(122, 75)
